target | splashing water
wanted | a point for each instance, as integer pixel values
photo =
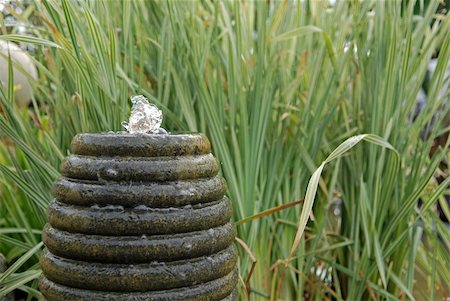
(145, 117)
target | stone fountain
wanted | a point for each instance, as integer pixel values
(139, 215)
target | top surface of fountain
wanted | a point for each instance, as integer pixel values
(140, 145)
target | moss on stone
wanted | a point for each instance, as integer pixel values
(152, 194)
(140, 145)
(128, 221)
(138, 277)
(154, 169)
(138, 249)
(219, 289)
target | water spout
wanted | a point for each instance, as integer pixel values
(145, 117)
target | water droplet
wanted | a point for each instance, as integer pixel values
(188, 192)
(99, 177)
(142, 208)
(110, 172)
(160, 131)
(113, 208)
(117, 208)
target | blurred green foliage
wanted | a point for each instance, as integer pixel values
(277, 86)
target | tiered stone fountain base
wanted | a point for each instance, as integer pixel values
(139, 217)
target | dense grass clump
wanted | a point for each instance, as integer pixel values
(279, 87)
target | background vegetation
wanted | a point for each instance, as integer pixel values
(277, 86)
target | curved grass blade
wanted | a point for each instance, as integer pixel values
(314, 180)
